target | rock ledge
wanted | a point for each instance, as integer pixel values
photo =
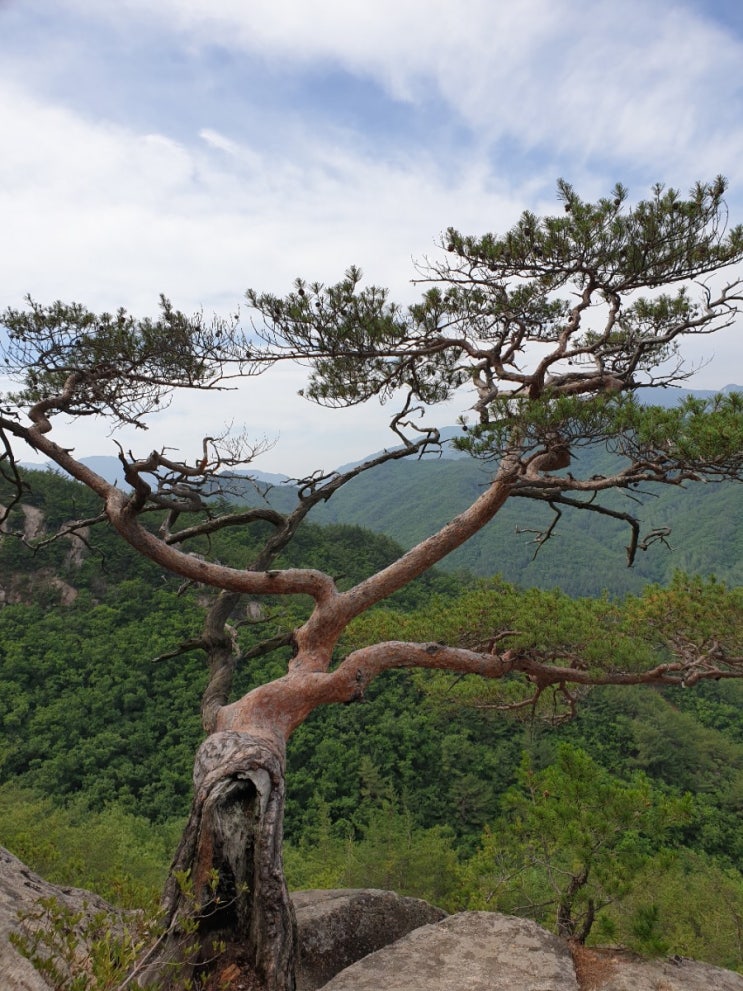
(370, 940)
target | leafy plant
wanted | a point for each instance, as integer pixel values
(96, 951)
(572, 840)
(79, 950)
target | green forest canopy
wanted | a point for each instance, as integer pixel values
(393, 792)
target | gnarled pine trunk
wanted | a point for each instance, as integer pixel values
(227, 881)
(227, 905)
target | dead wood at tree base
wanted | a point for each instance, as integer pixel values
(226, 886)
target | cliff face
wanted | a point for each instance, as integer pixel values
(408, 947)
(16, 584)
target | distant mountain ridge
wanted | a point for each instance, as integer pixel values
(671, 395)
(110, 468)
(408, 500)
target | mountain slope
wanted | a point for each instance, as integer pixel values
(408, 500)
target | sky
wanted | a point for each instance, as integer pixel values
(200, 147)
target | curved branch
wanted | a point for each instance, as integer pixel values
(291, 581)
(680, 672)
(260, 513)
(8, 460)
(542, 536)
(429, 551)
(274, 710)
(123, 509)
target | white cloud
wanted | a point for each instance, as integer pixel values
(115, 213)
(111, 217)
(580, 76)
(107, 210)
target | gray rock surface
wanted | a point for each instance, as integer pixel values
(337, 928)
(679, 974)
(389, 943)
(471, 951)
(19, 889)
(483, 951)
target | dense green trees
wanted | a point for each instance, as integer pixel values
(412, 789)
(572, 839)
(421, 788)
(120, 855)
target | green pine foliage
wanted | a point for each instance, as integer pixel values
(683, 903)
(571, 840)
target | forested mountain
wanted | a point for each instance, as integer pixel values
(82, 619)
(585, 555)
(395, 792)
(698, 529)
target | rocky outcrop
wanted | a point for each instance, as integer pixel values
(369, 940)
(472, 951)
(623, 971)
(337, 928)
(21, 586)
(483, 951)
(20, 888)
